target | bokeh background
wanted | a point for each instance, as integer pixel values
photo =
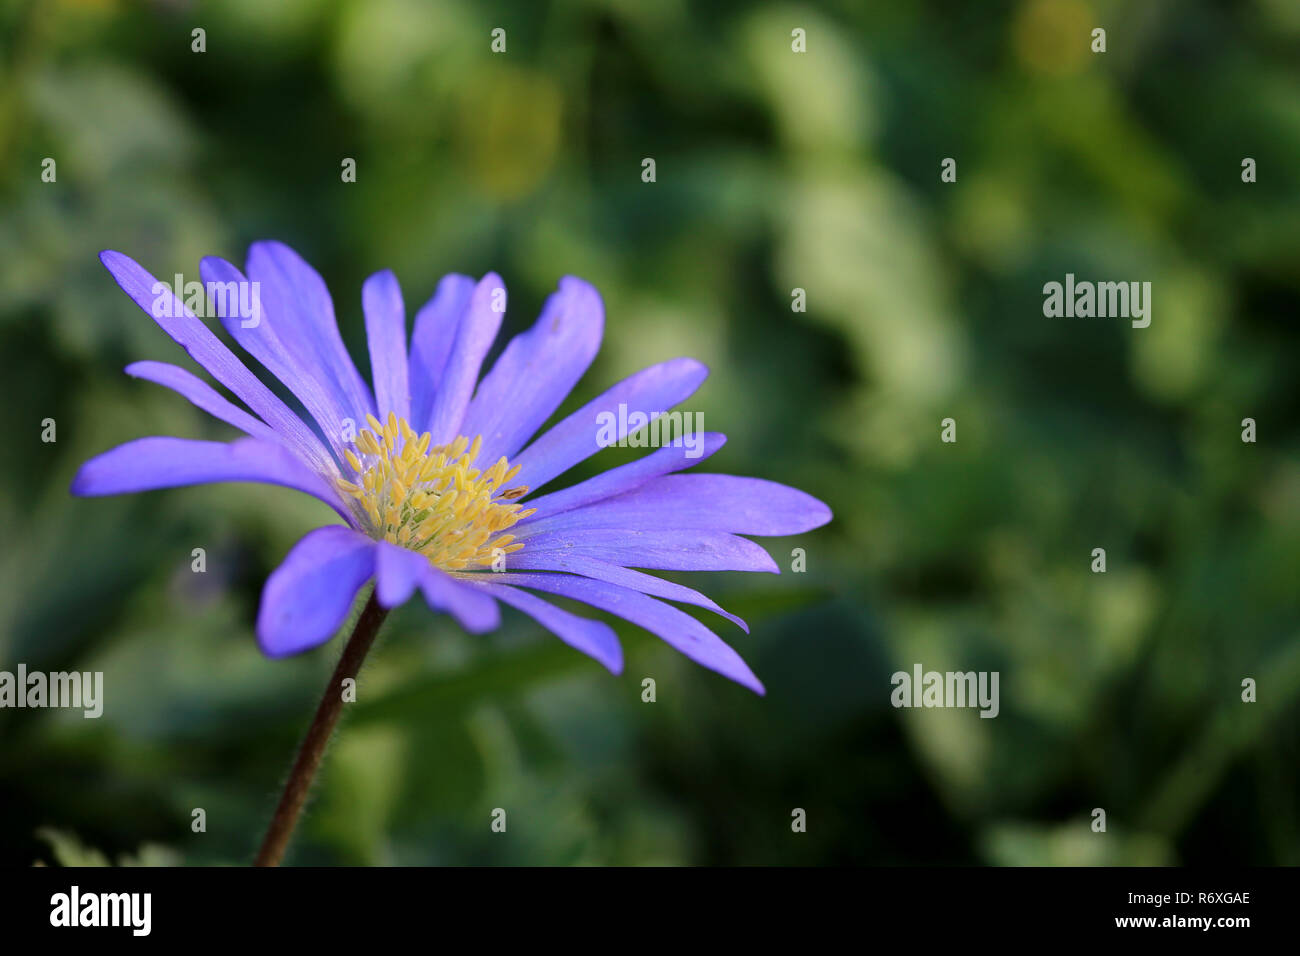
(775, 171)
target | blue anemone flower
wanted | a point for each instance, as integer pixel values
(435, 471)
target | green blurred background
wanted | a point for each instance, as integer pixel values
(775, 171)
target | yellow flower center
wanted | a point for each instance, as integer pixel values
(432, 500)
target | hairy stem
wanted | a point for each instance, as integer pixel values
(318, 735)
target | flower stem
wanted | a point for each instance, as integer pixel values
(318, 735)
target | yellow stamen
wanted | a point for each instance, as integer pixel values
(429, 498)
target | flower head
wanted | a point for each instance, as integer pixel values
(435, 470)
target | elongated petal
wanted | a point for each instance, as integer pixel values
(699, 502)
(294, 294)
(658, 550)
(537, 370)
(276, 339)
(624, 478)
(604, 571)
(676, 627)
(594, 638)
(578, 437)
(398, 572)
(431, 341)
(475, 610)
(307, 597)
(381, 300)
(205, 348)
(204, 396)
(474, 336)
(161, 462)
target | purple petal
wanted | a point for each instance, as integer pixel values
(281, 345)
(202, 395)
(431, 341)
(701, 503)
(398, 572)
(206, 349)
(594, 638)
(381, 300)
(603, 571)
(474, 336)
(475, 610)
(676, 627)
(307, 597)
(623, 478)
(537, 370)
(576, 438)
(147, 464)
(658, 550)
(294, 295)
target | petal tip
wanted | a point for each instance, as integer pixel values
(695, 365)
(385, 276)
(117, 263)
(486, 625)
(275, 649)
(77, 487)
(826, 514)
